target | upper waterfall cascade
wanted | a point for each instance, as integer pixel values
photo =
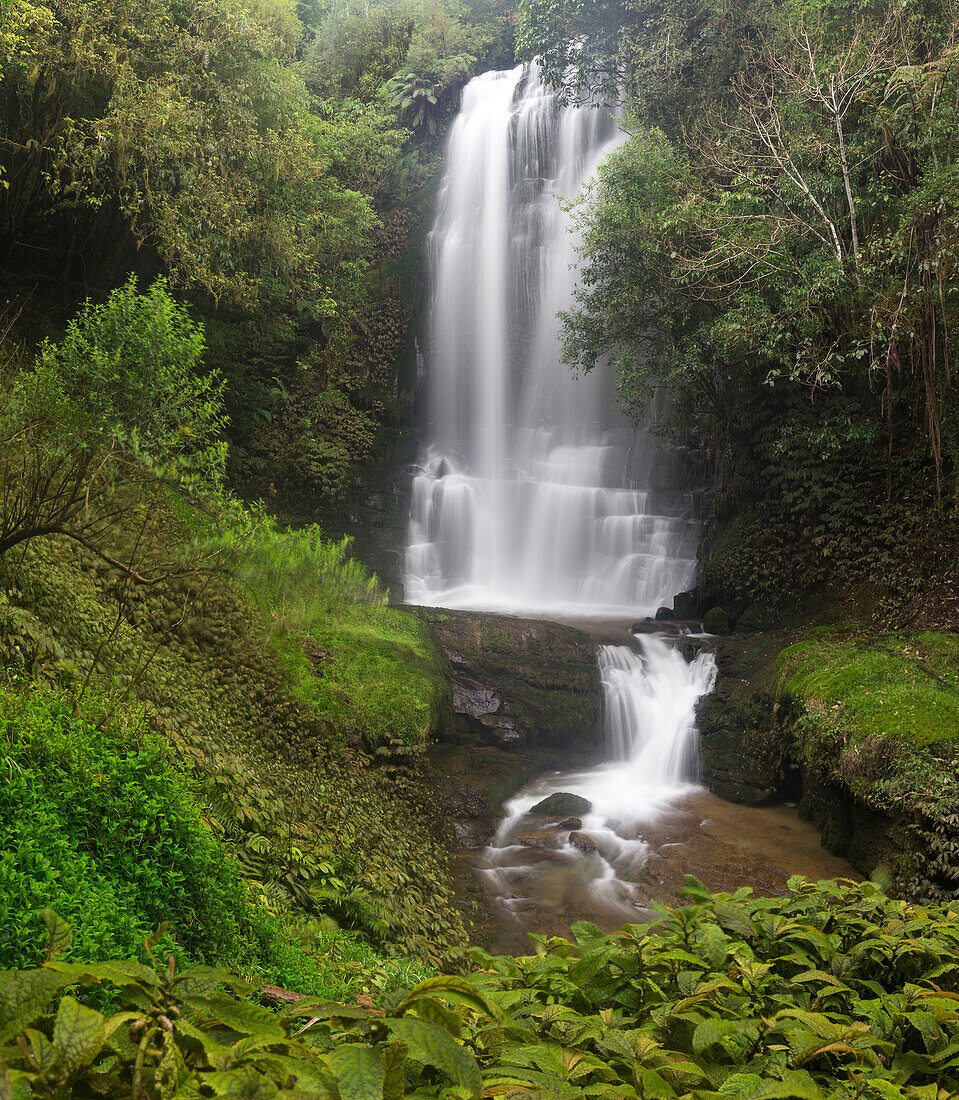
(532, 495)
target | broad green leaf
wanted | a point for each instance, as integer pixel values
(733, 918)
(433, 1044)
(24, 994)
(715, 945)
(198, 981)
(428, 1008)
(711, 1031)
(122, 972)
(795, 1086)
(455, 989)
(43, 1052)
(885, 1089)
(249, 1019)
(14, 1084)
(655, 1086)
(693, 888)
(60, 932)
(241, 1084)
(214, 1051)
(78, 1035)
(359, 1071)
(586, 933)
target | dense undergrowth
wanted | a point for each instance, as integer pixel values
(191, 697)
(833, 991)
(285, 787)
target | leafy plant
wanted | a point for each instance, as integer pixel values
(835, 991)
(97, 822)
(191, 1033)
(110, 415)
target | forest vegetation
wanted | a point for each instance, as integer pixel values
(213, 725)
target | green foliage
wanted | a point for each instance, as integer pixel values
(105, 421)
(371, 670)
(187, 1033)
(186, 131)
(875, 721)
(97, 822)
(315, 828)
(577, 43)
(716, 621)
(130, 368)
(834, 991)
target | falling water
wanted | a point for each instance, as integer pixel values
(588, 865)
(532, 495)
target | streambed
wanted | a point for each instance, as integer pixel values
(606, 842)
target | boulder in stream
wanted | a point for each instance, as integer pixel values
(561, 804)
(582, 842)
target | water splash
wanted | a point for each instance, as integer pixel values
(532, 495)
(588, 867)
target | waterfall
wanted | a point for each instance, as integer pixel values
(532, 494)
(649, 719)
(649, 707)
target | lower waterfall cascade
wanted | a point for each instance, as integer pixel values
(649, 715)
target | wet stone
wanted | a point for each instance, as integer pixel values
(544, 839)
(561, 804)
(582, 842)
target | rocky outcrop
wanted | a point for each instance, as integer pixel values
(880, 799)
(518, 683)
(744, 750)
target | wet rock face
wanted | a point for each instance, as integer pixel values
(745, 751)
(518, 683)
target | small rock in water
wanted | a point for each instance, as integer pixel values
(570, 823)
(544, 840)
(561, 804)
(663, 614)
(582, 842)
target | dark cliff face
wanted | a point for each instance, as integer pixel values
(519, 683)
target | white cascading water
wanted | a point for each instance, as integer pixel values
(649, 701)
(532, 496)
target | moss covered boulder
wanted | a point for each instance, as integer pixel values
(519, 682)
(875, 722)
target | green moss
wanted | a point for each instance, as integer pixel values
(905, 687)
(372, 670)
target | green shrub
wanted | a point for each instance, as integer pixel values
(836, 991)
(107, 420)
(716, 621)
(130, 370)
(97, 823)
